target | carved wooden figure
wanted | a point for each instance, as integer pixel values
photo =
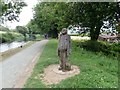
(64, 48)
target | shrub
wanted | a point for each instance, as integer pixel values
(98, 46)
(18, 37)
(9, 37)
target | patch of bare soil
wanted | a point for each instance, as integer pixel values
(53, 76)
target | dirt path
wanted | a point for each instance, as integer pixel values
(14, 69)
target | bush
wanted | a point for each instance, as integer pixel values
(98, 46)
(7, 37)
(10, 37)
(18, 37)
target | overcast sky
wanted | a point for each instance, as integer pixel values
(25, 16)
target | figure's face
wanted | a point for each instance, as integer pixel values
(64, 32)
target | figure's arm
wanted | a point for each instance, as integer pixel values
(58, 44)
(69, 46)
(70, 43)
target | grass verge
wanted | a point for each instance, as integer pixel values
(97, 70)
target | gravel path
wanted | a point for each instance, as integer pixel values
(12, 68)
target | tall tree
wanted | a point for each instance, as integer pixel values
(92, 14)
(52, 17)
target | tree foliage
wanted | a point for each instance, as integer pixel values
(93, 14)
(52, 17)
(23, 30)
(33, 27)
(49, 17)
(10, 10)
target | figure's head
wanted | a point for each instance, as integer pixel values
(64, 31)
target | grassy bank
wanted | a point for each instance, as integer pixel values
(39, 37)
(97, 70)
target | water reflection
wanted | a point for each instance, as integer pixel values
(6, 46)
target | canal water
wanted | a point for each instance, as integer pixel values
(7, 46)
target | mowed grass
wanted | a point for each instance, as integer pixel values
(96, 70)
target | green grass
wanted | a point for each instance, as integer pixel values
(96, 70)
(48, 57)
(38, 37)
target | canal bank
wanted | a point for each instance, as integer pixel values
(8, 53)
(7, 46)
